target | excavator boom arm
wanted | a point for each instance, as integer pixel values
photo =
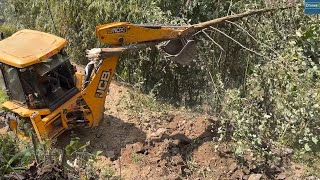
(124, 37)
(86, 107)
(126, 33)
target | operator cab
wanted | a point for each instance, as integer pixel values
(36, 71)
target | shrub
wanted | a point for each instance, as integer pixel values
(7, 29)
(280, 104)
(12, 156)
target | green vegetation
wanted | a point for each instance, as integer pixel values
(200, 83)
(17, 156)
(3, 96)
(8, 29)
(279, 105)
(12, 159)
(136, 158)
(267, 99)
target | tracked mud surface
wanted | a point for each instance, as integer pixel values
(139, 142)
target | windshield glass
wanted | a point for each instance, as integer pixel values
(47, 83)
(51, 63)
(42, 85)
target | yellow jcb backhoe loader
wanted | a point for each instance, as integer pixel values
(46, 93)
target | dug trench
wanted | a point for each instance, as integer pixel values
(139, 142)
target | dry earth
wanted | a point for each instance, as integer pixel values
(145, 139)
(142, 139)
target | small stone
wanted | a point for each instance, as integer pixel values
(110, 154)
(238, 174)
(98, 135)
(246, 170)
(281, 176)
(312, 178)
(282, 169)
(146, 125)
(4, 130)
(297, 167)
(177, 160)
(166, 141)
(136, 147)
(174, 142)
(170, 118)
(287, 151)
(255, 177)
(159, 132)
(233, 167)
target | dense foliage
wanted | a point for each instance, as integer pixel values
(280, 105)
(262, 79)
(76, 21)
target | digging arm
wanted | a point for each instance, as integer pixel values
(124, 37)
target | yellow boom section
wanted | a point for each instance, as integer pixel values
(95, 93)
(126, 33)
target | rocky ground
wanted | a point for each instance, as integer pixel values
(144, 139)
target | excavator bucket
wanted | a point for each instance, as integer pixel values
(181, 51)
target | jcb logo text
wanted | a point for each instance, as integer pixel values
(118, 30)
(103, 84)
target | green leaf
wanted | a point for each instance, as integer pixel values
(298, 33)
(314, 140)
(307, 147)
(16, 156)
(99, 153)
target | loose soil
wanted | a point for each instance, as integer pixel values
(139, 142)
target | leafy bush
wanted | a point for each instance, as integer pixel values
(7, 29)
(76, 162)
(280, 105)
(184, 86)
(11, 158)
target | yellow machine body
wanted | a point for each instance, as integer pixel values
(119, 33)
(28, 48)
(62, 98)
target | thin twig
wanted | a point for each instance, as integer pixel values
(118, 76)
(34, 143)
(229, 9)
(49, 10)
(212, 40)
(235, 17)
(198, 32)
(244, 47)
(212, 79)
(64, 158)
(245, 75)
(240, 27)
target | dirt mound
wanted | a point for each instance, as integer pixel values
(141, 140)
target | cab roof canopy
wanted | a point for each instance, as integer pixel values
(28, 47)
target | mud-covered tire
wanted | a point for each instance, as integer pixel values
(12, 122)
